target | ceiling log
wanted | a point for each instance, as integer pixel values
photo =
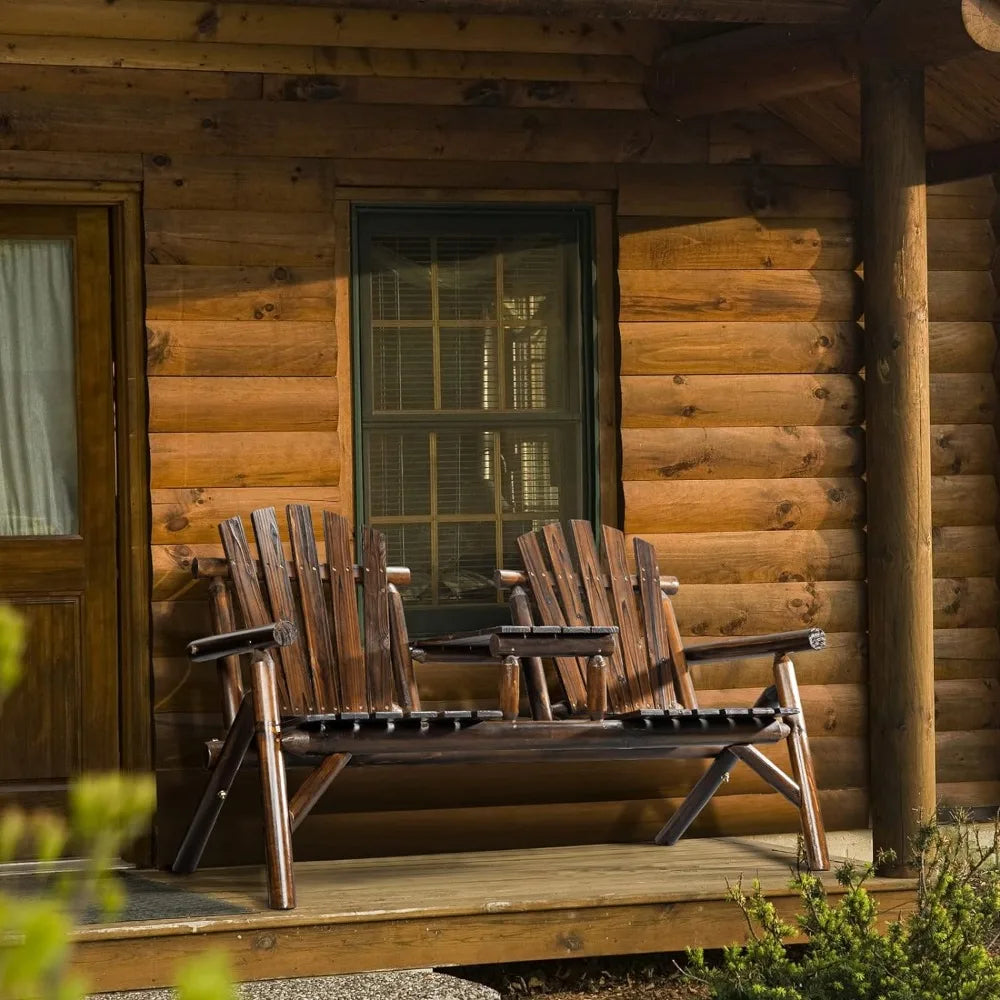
(753, 66)
(762, 64)
(926, 32)
(961, 164)
(704, 11)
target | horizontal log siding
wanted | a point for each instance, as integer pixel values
(743, 449)
(963, 304)
(241, 138)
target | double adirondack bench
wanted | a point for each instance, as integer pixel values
(331, 676)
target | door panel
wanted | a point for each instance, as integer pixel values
(58, 540)
(40, 739)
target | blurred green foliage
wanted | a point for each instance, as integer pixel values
(104, 816)
(944, 950)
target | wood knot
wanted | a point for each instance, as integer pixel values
(484, 94)
(571, 942)
(161, 160)
(545, 90)
(265, 942)
(208, 22)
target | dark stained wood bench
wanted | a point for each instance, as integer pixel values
(345, 691)
(648, 675)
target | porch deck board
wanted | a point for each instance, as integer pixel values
(455, 909)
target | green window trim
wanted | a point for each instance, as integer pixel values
(474, 345)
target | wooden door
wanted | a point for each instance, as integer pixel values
(58, 561)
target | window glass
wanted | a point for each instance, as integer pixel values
(474, 340)
(38, 447)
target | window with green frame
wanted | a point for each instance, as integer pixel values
(474, 392)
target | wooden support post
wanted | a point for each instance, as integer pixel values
(771, 773)
(312, 789)
(510, 686)
(274, 785)
(229, 666)
(699, 797)
(534, 672)
(813, 831)
(900, 579)
(597, 687)
(217, 788)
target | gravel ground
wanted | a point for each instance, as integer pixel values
(421, 985)
(639, 977)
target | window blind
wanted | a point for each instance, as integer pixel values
(475, 385)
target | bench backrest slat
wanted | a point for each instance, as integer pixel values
(568, 586)
(399, 649)
(329, 669)
(376, 613)
(301, 694)
(647, 668)
(249, 596)
(633, 642)
(657, 640)
(551, 613)
(592, 575)
(344, 602)
(315, 618)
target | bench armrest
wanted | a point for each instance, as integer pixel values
(215, 647)
(742, 647)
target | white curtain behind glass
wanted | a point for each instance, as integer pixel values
(38, 474)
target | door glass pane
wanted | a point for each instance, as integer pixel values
(38, 449)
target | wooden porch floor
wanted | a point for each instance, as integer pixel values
(458, 909)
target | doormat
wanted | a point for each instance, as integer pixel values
(145, 899)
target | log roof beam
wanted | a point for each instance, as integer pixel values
(960, 164)
(761, 64)
(702, 11)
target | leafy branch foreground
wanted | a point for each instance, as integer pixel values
(942, 950)
(105, 814)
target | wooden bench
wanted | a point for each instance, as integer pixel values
(345, 692)
(648, 674)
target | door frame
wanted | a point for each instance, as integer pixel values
(123, 201)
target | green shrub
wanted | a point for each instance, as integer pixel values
(940, 951)
(105, 814)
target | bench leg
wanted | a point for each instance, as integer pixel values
(699, 796)
(274, 787)
(813, 833)
(220, 781)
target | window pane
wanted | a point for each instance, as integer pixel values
(398, 473)
(466, 472)
(539, 469)
(467, 557)
(410, 545)
(473, 375)
(469, 369)
(38, 451)
(467, 277)
(401, 278)
(402, 376)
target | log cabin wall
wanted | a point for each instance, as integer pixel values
(963, 305)
(741, 397)
(742, 443)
